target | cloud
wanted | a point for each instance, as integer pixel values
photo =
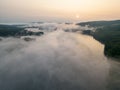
(56, 60)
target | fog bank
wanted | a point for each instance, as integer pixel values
(58, 60)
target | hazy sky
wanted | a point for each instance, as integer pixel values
(58, 10)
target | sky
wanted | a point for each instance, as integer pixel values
(58, 10)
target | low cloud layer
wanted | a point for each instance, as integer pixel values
(58, 60)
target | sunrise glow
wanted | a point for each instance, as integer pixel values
(31, 10)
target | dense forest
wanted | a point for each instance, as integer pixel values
(15, 31)
(108, 33)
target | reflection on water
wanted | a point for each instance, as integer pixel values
(114, 75)
(57, 60)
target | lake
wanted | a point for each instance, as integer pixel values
(57, 60)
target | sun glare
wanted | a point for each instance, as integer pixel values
(77, 16)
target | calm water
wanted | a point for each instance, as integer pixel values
(58, 60)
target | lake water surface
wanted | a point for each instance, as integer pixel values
(58, 60)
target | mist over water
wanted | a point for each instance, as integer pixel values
(58, 60)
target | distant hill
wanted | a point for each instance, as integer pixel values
(108, 33)
(100, 23)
